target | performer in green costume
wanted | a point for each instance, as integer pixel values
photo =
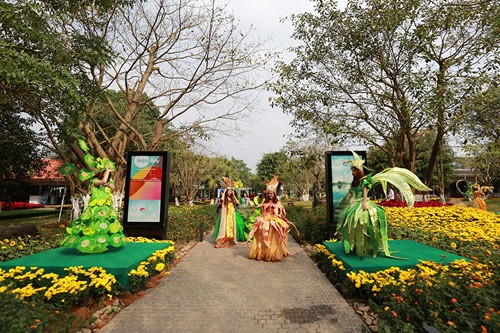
(362, 224)
(98, 226)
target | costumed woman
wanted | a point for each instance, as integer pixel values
(271, 228)
(98, 226)
(479, 194)
(229, 228)
(362, 224)
(477, 197)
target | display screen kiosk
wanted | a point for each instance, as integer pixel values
(145, 210)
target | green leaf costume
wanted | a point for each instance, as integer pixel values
(365, 231)
(98, 226)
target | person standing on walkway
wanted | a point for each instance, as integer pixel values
(229, 228)
(271, 228)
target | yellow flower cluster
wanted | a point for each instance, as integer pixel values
(66, 285)
(474, 274)
(238, 184)
(97, 275)
(155, 259)
(376, 281)
(147, 240)
(26, 291)
(141, 270)
(27, 283)
(463, 225)
(335, 262)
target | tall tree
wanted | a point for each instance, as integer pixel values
(482, 134)
(305, 166)
(21, 150)
(387, 73)
(42, 77)
(187, 58)
(271, 164)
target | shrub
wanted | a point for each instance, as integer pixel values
(310, 222)
(32, 317)
(184, 221)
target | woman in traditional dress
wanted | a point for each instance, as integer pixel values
(477, 197)
(479, 194)
(362, 224)
(98, 226)
(229, 228)
(270, 230)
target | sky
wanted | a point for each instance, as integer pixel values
(269, 128)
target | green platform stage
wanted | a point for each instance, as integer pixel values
(408, 249)
(117, 261)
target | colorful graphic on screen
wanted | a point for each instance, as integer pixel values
(145, 189)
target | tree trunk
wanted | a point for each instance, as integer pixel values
(440, 123)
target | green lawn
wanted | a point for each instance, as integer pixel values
(493, 205)
(31, 216)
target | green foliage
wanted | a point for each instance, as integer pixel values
(20, 146)
(486, 161)
(310, 222)
(271, 164)
(481, 121)
(32, 317)
(404, 71)
(26, 245)
(184, 221)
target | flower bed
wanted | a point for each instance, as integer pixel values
(31, 289)
(44, 300)
(12, 205)
(460, 297)
(417, 204)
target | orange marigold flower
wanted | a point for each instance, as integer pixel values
(487, 316)
(394, 313)
(454, 300)
(450, 323)
(484, 329)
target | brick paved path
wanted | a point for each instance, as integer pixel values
(220, 290)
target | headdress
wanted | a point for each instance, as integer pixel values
(228, 182)
(358, 162)
(272, 185)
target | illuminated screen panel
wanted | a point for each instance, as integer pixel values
(146, 192)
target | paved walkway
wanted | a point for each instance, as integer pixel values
(219, 290)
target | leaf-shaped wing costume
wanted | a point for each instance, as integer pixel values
(362, 224)
(403, 179)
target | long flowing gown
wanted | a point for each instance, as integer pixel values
(362, 231)
(270, 232)
(478, 201)
(229, 228)
(98, 226)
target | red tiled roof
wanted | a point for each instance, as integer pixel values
(51, 171)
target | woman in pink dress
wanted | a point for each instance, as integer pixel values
(271, 228)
